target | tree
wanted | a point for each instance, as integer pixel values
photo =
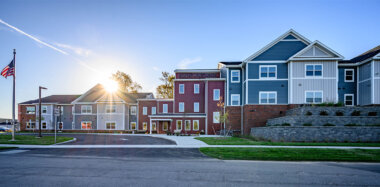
(165, 90)
(223, 116)
(126, 83)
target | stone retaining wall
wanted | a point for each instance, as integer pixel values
(318, 134)
(332, 110)
(322, 120)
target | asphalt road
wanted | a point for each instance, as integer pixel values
(170, 167)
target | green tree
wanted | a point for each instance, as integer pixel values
(126, 83)
(165, 90)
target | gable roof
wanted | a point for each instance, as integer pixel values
(374, 52)
(322, 48)
(59, 99)
(274, 42)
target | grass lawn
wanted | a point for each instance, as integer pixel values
(245, 141)
(32, 140)
(293, 154)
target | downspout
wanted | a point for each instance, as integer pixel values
(206, 108)
(245, 100)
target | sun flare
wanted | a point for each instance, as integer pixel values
(110, 85)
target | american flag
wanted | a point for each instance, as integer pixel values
(9, 70)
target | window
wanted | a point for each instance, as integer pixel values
(235, 99)
(165, 126)
(133, 125)
(235, 76)
(179, 125)
(314, 70)
(216, 94)
(145, 126)
(216, 117)
(110, 125)
(195, 125)
(86, 124)
(349, 75)
(30, 125)
(349, 99)
(313, 96)
(165, 108)
(86, 109)
(111, 109)
(181, 88)
(44, 125)
(268, 72)
(145, 110)
(133, 110)
(61, 109)
(196, 88)
(154, 127)
(268, 98)
(196, 107)
(187, 125)
(153, 110)
(44, 109)
(30, 110)
(181, 107)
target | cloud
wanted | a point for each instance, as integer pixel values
(77, 50)
(33, 38)
(183, 64)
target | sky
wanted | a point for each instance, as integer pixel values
(69, 46)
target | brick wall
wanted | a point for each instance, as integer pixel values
(234, 118)
(23, 117)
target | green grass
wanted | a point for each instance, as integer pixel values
(246, 141)
(32, 140)
(293, 154)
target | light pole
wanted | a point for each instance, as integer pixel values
(39, 112)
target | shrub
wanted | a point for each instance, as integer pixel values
(328, 125)
(372, 113)
(355, 113)
(338, 104)
(330, 104)
(308, 113)
(285, 124)
(351, 125)
(307, 124)
(323, 113)
(339, 113)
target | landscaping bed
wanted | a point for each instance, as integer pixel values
(32, 140)
(293, 154)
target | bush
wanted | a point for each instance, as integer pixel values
(285, 124)
(351, 125)
(355, 113)
(308, 113)
(330, 104)
(339, 113)
(372, 113)
(307, 124)
(328, 125)
(323, 113)
(338, 104)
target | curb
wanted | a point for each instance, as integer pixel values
(68, 141)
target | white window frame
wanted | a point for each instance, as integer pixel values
(154, 126)
(61, 109)
(196, 106)
(145, 111)
(238, 76)
(353, 99)
(183, 88)
(44, 108)
(163, 126)
(314, 91)
(31, 107)
(188, 129)
(193, 125)
(353, 75)
(165, 108)
(236, 95)
(107, 122)
(28, 123)
(313, 70)
(181, 107)
(154, 110)
(268, 66)
(218, 95)
(146, 126)
(176, 124)
(132, 126)
(87, 122)
(214, 119)
(270, 92)
(86, 108)
(110, 109)
(196, 88)
(133, 110)
(42, 125)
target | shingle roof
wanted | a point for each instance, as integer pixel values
(231, 63)
(60, 99)
(368, 54)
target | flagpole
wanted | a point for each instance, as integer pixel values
(14, 89)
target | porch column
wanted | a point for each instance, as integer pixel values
(150, 126)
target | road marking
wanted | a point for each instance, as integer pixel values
(13, 151)
(124, 139)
